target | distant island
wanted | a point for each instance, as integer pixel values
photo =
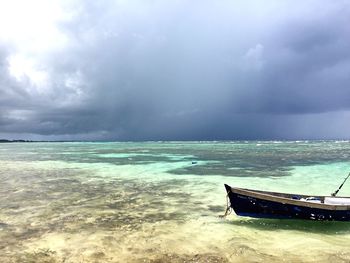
(10, 141)
(7, 141)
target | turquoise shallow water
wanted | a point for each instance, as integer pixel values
(147, 202)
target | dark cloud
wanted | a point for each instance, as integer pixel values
(155, 70)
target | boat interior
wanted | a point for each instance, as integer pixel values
(330, 200)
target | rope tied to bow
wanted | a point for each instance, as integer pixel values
(228, 208)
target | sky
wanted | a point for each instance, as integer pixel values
(174, 69)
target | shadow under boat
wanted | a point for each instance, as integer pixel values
(317, 227)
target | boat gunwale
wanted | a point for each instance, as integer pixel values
(264, 195)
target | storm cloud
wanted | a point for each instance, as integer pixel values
(175, 70)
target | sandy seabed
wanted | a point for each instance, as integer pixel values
(82, 210)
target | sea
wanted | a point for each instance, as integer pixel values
(162, 201)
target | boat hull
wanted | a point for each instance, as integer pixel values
(245, 205)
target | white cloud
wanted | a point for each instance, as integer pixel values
(31, 26)
(24, 69)
(254, 58)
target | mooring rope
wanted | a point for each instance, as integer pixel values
(228, 208)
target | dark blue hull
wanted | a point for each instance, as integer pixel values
(244, 205)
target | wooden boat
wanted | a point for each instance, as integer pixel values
(263, 204)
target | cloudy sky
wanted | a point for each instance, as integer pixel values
(174, 70)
